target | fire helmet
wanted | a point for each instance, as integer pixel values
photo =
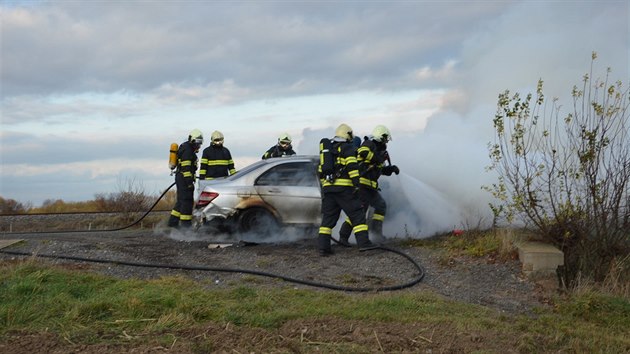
(195, 137)
(217, 137)
(381, 134)
(344, 131)
(284, 138)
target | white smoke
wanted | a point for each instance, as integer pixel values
(439, 187)
(415, 209)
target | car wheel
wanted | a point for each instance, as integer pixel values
(258, 221)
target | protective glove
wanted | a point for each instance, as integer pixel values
(388, 170)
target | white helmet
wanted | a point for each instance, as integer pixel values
(381, 134)
(284, 138)
(195, 137)
(217, 137)
(344, 131)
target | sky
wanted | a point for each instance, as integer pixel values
(93, 93)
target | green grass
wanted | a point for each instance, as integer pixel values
(88, 308)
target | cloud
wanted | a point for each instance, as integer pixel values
(96, 86)
(108, 47)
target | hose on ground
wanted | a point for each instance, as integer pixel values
(408, 284)
(413, 282)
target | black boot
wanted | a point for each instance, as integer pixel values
(173, 221)
(376, 231)
(344, 241)
(344, 234)
(323, 244)
(364, 242)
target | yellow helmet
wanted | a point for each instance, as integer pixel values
(217, 137)
(381, 134)
(344, 131)
(285, 138)
(195, 137)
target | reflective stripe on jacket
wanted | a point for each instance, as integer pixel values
(371, 157)
(216, 161)
(346, 168)
(187, 162)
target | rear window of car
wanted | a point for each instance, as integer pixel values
(300, 174)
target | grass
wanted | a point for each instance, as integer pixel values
(498, 243)
(89, 308)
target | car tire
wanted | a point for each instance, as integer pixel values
(258, 221)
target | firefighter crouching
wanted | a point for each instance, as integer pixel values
(339, 192)
(282, 148)
(372, 156)
(181, 215)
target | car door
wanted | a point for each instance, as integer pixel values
(292, 189)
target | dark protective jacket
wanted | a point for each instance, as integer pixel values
(346, 168)
(371, 157)
(216, 161)
(278, 151)
(187, 163)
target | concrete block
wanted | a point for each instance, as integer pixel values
(7, 243)
(539, 257)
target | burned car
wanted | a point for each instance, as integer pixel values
(266, 195)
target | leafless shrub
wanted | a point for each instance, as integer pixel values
(618, 278)
(129, 199)
(11, 206)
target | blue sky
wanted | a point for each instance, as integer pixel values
(93, 93)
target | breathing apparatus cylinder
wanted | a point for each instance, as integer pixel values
(172, 156)
(326, 159)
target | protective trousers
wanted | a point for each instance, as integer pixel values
(182, 211)
(332, 205)
(369, 198)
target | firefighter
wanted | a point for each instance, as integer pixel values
(340, 193)
(282, 148)
(181, 215)
(216, 160)
(372, 157)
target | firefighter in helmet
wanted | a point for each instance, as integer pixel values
(216, 160)
(181, 215)
(373, 160)
(339, 193)
(282, 148)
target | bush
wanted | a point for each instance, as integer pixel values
(567, 176)
(11, 206)
(130, 198)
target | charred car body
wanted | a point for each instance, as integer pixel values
(267, 194)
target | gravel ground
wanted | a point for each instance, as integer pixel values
(497, 285)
